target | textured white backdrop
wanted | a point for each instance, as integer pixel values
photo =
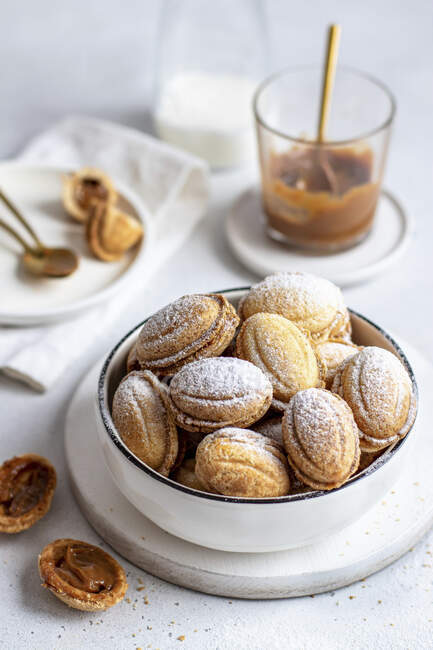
(96, 57)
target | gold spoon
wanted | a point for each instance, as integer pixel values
(40, 260)
(328, 79)
(325, 103)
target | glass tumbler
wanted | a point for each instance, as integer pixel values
(322, 195)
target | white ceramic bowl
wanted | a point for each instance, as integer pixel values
(240, 524)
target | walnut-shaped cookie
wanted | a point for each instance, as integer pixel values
(82, 575)
(312, 303)
(209, 394)
(321, 438)
(84, 187)
(332, 353)
(379, 391)
(283, 352)
(27, 485)
(132, 362)
(271, 427)
(367, 458)
(242, 463)
(185, 475)
(144, 421)
(111, 232)
(190, 328)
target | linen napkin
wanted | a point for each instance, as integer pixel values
(172, 184)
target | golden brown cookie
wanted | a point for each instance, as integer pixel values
(271, 427)
(314, 304)
(242, 463)
(132, 362)
(191, 440)
(82, 188)
(367, 458)
(379, 391)
(296, 485)
(185, 475)
(111, 232)
(190, 328)
(321, 438)
(209, 394)
(27, 485)
(82, 575)
(332, 353)
(144, 421)
(284, 353)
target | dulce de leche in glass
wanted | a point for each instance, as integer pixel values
(321, 196)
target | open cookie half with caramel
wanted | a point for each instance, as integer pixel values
(111, 232)
(27, 485)
(82, 575)
(84, 187)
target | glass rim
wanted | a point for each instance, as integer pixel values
(333, 143)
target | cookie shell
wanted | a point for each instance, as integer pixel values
(144, 421)
(379, 391)
(16, 524)
(333, 352)
(71, 189)
(312, 303)
(185, 475)
(283, 352)
(190, 328)
(321, 438)
(70, 595)
(209, 394)
(242, 463)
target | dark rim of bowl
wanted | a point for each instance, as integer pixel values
(115, 438)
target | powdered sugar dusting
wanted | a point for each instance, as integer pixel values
(186, 319)
(377, 383)
(298, 296)
(320, 421)
(137, 390)
(271, 428)
(220, 378)
(258, 443)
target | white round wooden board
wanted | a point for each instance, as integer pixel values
(246, 234)
(29, 300)
(385, 533)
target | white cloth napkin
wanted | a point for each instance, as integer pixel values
(172, 184)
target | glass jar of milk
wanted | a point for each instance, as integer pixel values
(211, 56)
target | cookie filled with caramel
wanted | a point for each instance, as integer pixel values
(82, 575)
(27, 485)
(82, 188)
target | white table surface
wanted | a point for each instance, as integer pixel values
(97, 58)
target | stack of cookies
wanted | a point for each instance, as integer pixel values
(273, 399)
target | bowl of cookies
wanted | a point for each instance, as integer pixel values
(256, 419)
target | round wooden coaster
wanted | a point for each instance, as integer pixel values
(385, 533)
(245, 231)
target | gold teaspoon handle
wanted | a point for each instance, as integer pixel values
(328, 79)
(18, 237)
(20, 218)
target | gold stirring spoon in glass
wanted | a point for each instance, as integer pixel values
(41, 259)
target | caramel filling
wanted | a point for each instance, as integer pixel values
(85, 568)
(24, 489)
(89, 189)
(321, 195)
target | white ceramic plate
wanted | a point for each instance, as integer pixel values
(27, 300)
(245, 230)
